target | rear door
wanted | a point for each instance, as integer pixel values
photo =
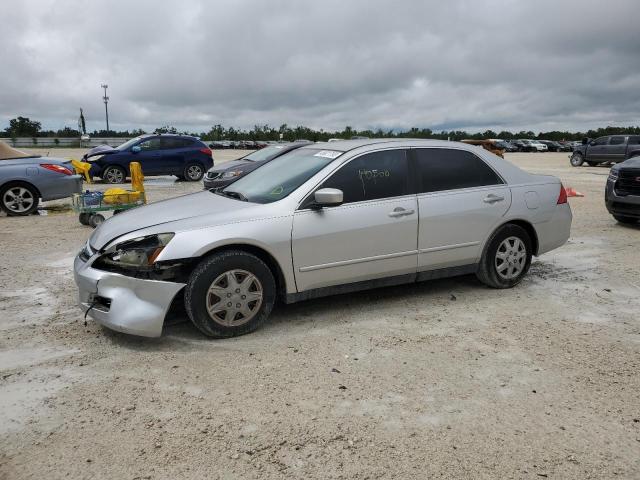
(461, 199)
(372, 235)
(174, 154)
(615, 151)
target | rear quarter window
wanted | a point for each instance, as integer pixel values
(442, 169)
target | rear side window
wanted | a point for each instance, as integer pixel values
(616, 141)
(172, 142)
(448, 169)
(634, 140)
(372, 176)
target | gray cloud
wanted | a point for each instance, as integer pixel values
(459, 64)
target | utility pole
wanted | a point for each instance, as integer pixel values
(106, 109)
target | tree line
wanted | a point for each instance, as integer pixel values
(25, 127)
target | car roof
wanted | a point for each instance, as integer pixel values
(347, 145)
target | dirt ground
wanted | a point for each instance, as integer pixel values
(439, 379)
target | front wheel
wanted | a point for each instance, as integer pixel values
(114, 174)
(193, 172)
(625, 220)
(506, 258)
(230, 293)
(19, 199)
(576, 160)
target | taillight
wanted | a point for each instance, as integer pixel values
(562, 198)
(56, 168)
(206, 151)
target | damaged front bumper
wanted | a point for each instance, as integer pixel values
(125, 304)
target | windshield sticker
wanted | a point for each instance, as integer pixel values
(328, 154)
(277, 190)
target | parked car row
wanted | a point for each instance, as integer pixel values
(241, 144)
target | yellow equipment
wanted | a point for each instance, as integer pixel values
(82, 168)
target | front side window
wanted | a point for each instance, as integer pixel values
(281, 176)
(616, 141)
(601, 141)
(149, 145)
(442, 169)
(372, 176)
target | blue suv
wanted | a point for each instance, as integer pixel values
(188, 158)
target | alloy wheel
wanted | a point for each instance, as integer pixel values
(511, 258)
(115, 175)
(194, 172)
(234, 298)
(18, 199)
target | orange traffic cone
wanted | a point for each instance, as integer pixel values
(571, 192)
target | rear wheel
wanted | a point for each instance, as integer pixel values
(625, 220)
(193, 172)
(230, 293)
(506, 258)
(114, 174)
(19, 199)
(84, 218)
(577, 159)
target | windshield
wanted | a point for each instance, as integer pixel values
(281, 176)
(127, 145)
(265, 154)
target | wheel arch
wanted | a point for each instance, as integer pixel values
(262, 254)
(524, 224)
(21, 182)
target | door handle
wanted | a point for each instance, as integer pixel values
(400, 212)
(492, 198)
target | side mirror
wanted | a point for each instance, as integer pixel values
(328, 197)
(211, 145)
(592, 143)
(135, 149)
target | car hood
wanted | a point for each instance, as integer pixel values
(211, 209)
(231, 165)
(100, 150)
(630, 163)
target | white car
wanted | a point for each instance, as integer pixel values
(534, 144)
(322, 219)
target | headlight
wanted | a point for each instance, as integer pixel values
(136, 253)
(613, 176)
(232, 173)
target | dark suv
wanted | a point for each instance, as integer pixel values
(609, 149)
(229, 172)
(622, 194)
(183, 156)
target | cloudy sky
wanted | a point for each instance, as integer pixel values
(473, 64)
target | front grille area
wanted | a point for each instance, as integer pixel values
(628, 182)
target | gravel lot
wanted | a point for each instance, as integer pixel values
(440, 379)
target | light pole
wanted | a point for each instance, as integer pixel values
(106, 109)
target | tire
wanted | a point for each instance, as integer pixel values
(193, 172)
(84, 218)
(114, 175)
(625, 220)
(510, 241)
(576, 160)
(19, 199)
(212, 274)
(96, 219)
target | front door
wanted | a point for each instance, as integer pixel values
(372, 235)
(461, 200)
(149, 156)
(597, 150)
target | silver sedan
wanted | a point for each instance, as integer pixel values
(323, 219)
